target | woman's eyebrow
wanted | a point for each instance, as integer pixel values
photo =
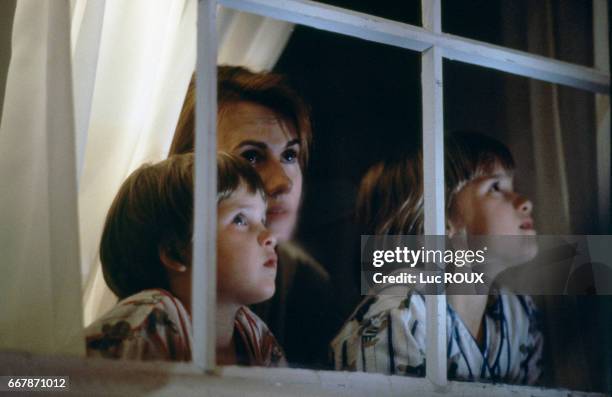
(263, 145)
(292, 142)
(249, 142)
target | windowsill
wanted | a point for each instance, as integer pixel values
(99, 376)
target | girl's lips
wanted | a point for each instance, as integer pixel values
(271, 262)
(527, 224)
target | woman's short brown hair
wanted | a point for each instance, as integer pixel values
(153, 211)
(390, 197)
(238, 84)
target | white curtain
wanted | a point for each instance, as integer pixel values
(146, 55)
(148, 116)
(131, 63)
(40, 284)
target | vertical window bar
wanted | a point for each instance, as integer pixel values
(433, 174)
(204, 274)
(602, 113)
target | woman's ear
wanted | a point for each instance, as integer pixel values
(171, 261)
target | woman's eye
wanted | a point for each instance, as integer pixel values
(495, 187)
(252, 156)
(240, 220)
(290, 156)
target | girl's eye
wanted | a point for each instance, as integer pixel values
(290, 156)
(495, 187)
(240, 220)
(252, 156)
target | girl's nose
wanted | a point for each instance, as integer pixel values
(524, 205)
(266, 238)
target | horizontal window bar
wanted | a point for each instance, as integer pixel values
(415, 38)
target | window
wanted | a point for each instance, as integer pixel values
(435, 48)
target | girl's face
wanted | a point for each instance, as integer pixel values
(488, 205)
(271, 146)
(245, 250)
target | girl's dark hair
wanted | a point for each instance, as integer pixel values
(390, 197)
(153, 211)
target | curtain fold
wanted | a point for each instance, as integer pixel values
(40, 287)
(550, 163)
(146, 57)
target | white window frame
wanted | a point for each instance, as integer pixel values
(202, 376)
(434, 45)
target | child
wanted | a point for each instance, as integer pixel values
(146, 259)
(489, 337)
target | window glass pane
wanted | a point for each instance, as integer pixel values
(513, 109)
(365, 100)
(561, 30)
(551, 133)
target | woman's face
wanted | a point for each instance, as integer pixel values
(270, 144)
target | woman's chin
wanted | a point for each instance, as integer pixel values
(282, 228)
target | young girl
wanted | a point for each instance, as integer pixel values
(146, 260)
(489, 337)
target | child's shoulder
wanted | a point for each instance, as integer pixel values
(142, 326)
(521, 312)
(258, 345)
(411, 303)
(245, 317)
(373, 313)
(380, 325)
(136, 308)
(518, 305)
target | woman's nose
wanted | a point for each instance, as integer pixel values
(275, 179)
(266, 238)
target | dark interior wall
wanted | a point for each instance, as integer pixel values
(365, 105)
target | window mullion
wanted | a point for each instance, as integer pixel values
(204, 277)
(433, 176)
(602, 113)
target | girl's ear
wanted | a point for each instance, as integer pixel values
(170, 261)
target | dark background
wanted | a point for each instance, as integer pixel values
(366, 106)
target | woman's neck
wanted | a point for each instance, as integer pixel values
(226, 349)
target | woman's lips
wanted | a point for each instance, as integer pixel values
(277, 210)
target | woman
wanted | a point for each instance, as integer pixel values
(263, 120)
